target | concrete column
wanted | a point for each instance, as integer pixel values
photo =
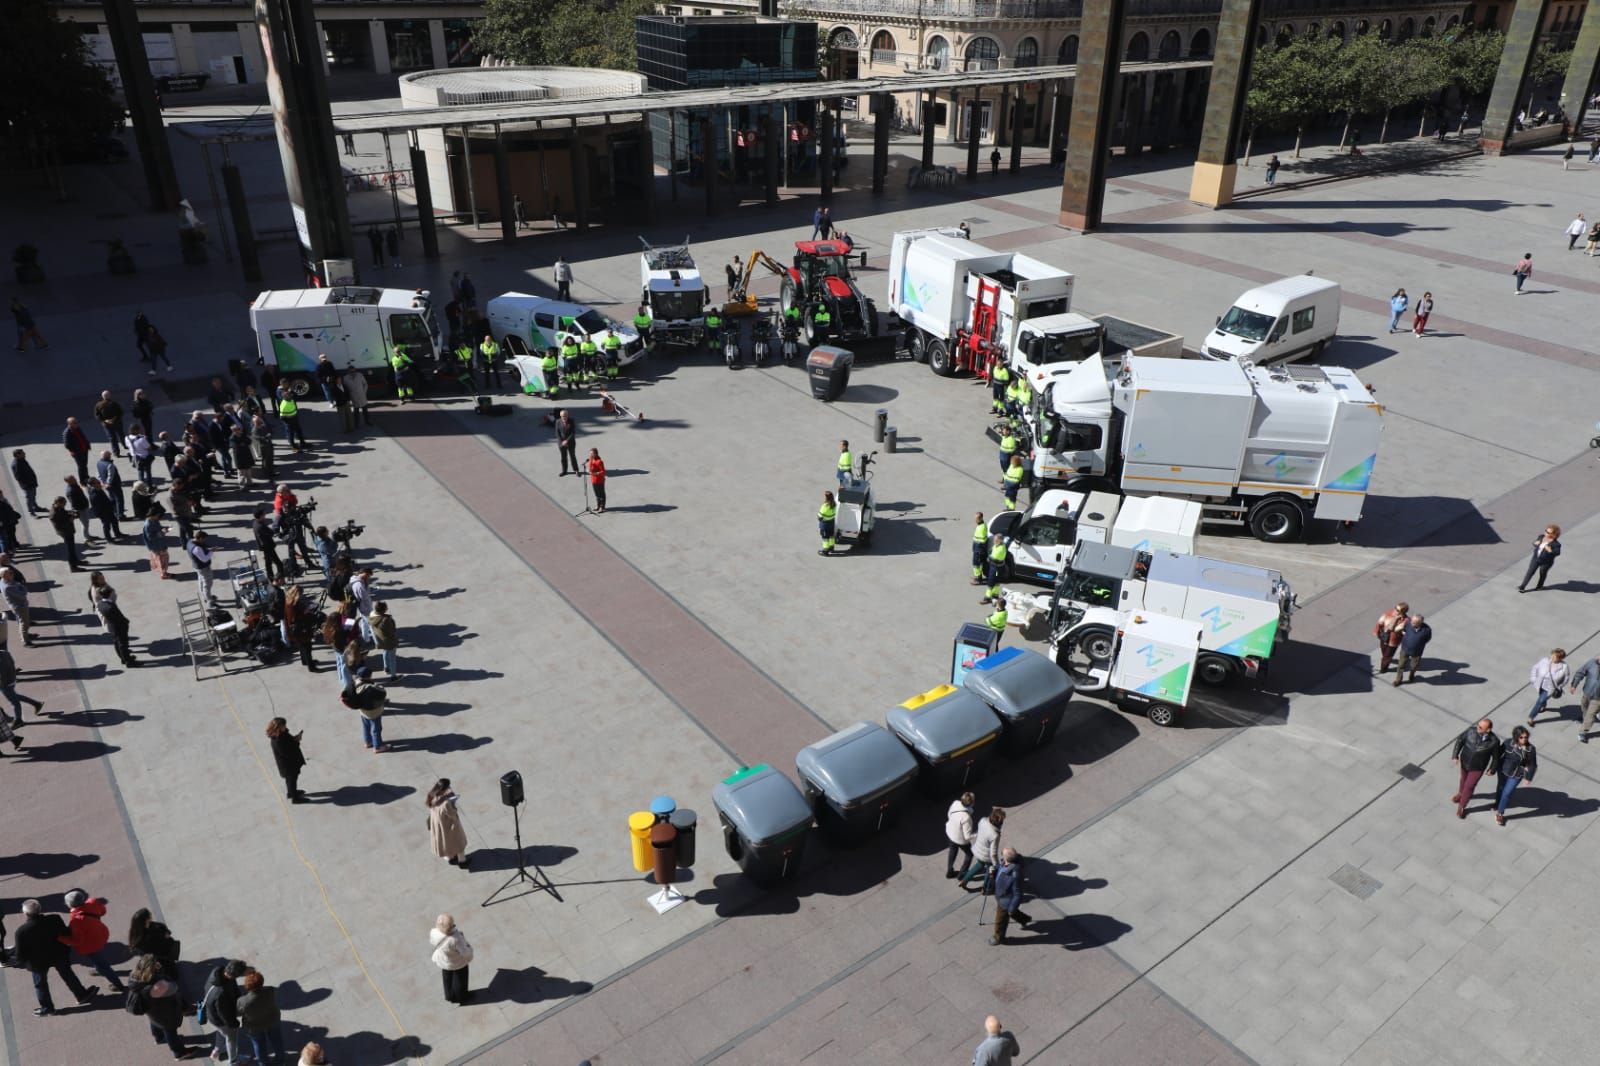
(1522, 40)
(777, 145)
(708, 166)
(243, 232)
(825, 151)
(647, 168)
(1017, 114)
(502, 189)
(1135, 107)
(255, 64)
(883, 107)
(580, 181)
(930, 103)
(183, 48)
(954, 116)
(139, 89)
(436, 41)
(1040, 112)
(322, 36)
(974, 129)
(380, 47)
(423, 188)
(1217, 161)
(1060, 111)
(1000, 124)
(1582, 68)
(1094, 100)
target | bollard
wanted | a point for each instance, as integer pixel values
(663, 841)
(890, 438)
(683, 820)
(662, 807)
(639, 824)
(879, 422)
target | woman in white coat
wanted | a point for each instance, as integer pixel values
(958, 829)
(985, 848)
(453, 955)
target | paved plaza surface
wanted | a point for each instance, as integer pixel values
(1190, 881)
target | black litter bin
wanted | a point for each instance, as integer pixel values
(951, 732)
(1028, 691)
(765, 822)
(857, 780)
(829, 370)
(683, 820)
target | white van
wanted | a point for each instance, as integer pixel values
(539, 323)
(1291, 318)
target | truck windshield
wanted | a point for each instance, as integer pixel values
(1065, 348)
(592, 321)
(1251, 325)
(676, 305)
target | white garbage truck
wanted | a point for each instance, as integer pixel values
(962, 305)
(1041, 540)
(671, 286)
(350, 324)
(1268, 448)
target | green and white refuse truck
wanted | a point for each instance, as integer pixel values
(353, 325)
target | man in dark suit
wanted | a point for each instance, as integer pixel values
(39, 947)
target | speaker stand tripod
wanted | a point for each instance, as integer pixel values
(587, 507)
(537, 878)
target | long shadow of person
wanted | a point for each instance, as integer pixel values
(1531, 801)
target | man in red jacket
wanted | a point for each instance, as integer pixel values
(77, 446)
(87, 934)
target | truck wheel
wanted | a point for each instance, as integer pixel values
(1277, 521)
(786, 295)
(1215, 669)
(1316, 351)
(872, 319)
(1085, 651)
(939, 360)
(300, 385)
(1161, 714)
(918, 347)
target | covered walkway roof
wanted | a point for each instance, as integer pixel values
(594, 107)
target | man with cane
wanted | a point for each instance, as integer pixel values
(1007, 895)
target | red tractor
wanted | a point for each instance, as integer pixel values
(821, 275)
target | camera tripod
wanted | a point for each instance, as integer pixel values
(537, 878)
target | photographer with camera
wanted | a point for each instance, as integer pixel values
(267, 543)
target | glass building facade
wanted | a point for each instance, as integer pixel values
(691, 53)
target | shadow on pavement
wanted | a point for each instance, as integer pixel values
(1077, 932)
(541, 855)
(356, 795)
(1535, 802)
(530, 985)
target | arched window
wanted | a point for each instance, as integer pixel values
(1313, 30)
(938, 53)
(1171, 46)
(1027, 53)
(1285, 34)
(1386, 29)
(1261, 37)
(1408, 28)
(983, 53)
(1336, 31)
(883, 48)
(1200, 44)
(1067, 54)
(1138, 48)
(843, 39)
(1362, 26)
(1455, 20)
(1428, 25)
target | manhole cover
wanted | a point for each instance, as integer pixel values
(1353, 881)
(1411, 771)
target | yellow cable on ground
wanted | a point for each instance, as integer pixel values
(294, 842)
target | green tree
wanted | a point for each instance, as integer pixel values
(51, 94)
(1474, 59)
(1288, 83)
(579, 33)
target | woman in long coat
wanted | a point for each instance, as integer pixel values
(444, 824)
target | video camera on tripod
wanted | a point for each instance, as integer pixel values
(343, 535)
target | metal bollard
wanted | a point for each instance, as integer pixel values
(890, 438)
(879, 423)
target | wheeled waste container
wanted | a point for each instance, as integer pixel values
(765, 822)
(829, 370)
(951, 732)
(857, 780)
(1028, 691)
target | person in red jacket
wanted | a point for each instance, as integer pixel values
(597, 479)
(87, 935)
(77, 446)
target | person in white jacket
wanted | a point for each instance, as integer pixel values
(958, 830)
(985, 848)
(452, 954)
(1547, 677)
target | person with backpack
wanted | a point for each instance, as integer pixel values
(220, 1008)
(155, 998)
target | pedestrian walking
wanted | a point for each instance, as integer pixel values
(146, 936)
(1586, 686)
(469, 295)
(158, 350)
(563, 275)
(8, 689)
(77, 446)
(1594, 150)
(88, 936)
(1008, 888)
(960, 831)
(520, 210)
(27, 329)
(985, 848)
(1476, 750)
(816, 222)
(567, 441)
(1523, 270)
(155, 996)
(39, 946)
(381, 625)
(1591, 240)
(327, 376)
(994, 163)
(200, 555)
(26, 479)
(391, 241)
(220, 1009)
(1424, 308)
(141, 335)
(14, 601)
(1272, 170)
(260, 1019)
(1413, 642)
(1547, 677)
(998, 1048)
(61, 520)
(1577, 226)
(1519, 761)
(286, 753)
(375, 241)
(448, 835)
(1397, 307)
(1546, 550)
(1566, 161)
(103, 598)
(453, 955)
(355, 387)
(349, 143)
(597, 479)
(8, 735)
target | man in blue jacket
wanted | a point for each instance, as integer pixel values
(1007, 895)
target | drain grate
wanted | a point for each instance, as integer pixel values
(1411, 771)
(1355, 882)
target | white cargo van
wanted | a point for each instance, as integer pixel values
(537, 323)
(1291, 318)
(353, 325)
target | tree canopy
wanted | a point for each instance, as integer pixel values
(50, 92)
(579, 33)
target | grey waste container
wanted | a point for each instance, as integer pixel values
(683, 820)
(829, 370)
(1028, 691)
(765, 822)
(951, 732)
(857, 780)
